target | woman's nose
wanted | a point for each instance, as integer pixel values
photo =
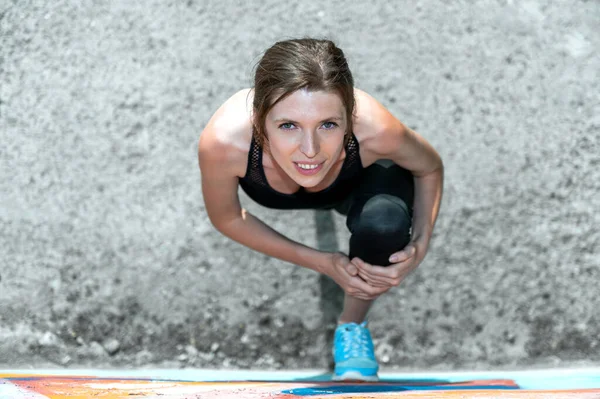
(309, 145)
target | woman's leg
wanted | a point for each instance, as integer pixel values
(355, 310)
(379, 217)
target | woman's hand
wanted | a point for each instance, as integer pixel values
(346, 275)
(404, 262)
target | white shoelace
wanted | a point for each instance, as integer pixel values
(355, 342)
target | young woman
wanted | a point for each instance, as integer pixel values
(304, 138)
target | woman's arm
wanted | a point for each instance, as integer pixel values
(413, 152)
(391, 139)
(217, 161)
(386, 137)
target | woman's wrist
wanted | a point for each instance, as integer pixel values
(314, 259)
(421, 238)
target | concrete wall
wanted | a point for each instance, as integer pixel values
(107, 255)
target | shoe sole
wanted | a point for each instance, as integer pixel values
(354, 376)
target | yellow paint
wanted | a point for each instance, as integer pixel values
(76, 387)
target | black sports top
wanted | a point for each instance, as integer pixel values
(255, 183)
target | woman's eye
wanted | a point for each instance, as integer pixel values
(329, 125)
(286, 126)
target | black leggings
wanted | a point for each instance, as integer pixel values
(379, 212)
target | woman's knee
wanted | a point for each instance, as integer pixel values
(383, 215)
(380, 228)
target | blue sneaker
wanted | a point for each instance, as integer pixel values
(353, 353)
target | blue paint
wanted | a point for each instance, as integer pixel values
(398, 381)
(353, 388)
(565, 378)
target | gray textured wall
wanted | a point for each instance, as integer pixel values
(106, 254)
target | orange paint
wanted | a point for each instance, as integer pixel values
(84, 387)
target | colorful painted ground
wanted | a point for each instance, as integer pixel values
(187, 383)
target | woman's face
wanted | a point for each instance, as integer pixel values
(306, 134)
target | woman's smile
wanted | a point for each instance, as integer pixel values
(309, 169)
(306, 134)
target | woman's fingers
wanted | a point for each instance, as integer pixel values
(373, 271)
(401, 256)
(351, 269)
(373, 281)
(361, 289)
(380, 273)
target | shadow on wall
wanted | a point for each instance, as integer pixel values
(332, 296)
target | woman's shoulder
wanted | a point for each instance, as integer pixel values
(232, 122)
(374, 125)
(227, 135)
(371, 117)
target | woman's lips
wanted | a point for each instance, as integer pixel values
(315, 168)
